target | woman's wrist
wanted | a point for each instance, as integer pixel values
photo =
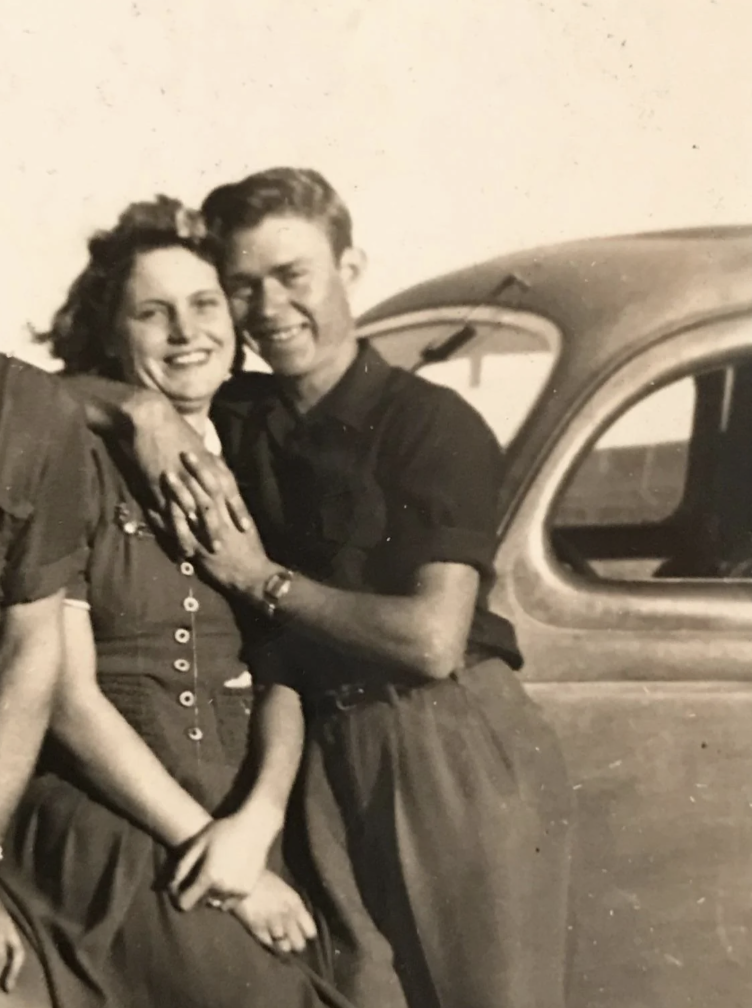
(177, 835)
(263, 814)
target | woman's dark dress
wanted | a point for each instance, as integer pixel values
(84, 878)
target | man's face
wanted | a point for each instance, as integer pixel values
(290, 296)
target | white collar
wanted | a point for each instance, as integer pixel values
(211, 439)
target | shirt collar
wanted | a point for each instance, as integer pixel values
(350, 401)
(358, 391)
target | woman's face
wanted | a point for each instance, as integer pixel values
(174, 331)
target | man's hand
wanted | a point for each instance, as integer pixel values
(235, 559)
(160, 437)
(11, 952)
(224, 862)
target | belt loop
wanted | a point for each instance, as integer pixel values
(391, 693)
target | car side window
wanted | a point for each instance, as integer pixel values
(501, 371)
(666, 490)
(620, 515)
(636, 471)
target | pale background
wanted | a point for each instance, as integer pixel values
(456, 129)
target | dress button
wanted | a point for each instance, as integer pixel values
(187, 568)
(195, 734)
(181, 665)
(187, 698)
(190, 604)
(182, 636)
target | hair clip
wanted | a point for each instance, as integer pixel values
(188, 224)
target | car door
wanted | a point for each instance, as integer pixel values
(645, 669)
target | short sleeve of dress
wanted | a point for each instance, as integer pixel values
(46, 546)
(443, 478)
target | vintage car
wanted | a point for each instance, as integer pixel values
(617, 372)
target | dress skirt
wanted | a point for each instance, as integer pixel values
(85, 887)
(439, 825)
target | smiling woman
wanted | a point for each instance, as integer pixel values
(150, 733)
(174, 333)
(148, 309)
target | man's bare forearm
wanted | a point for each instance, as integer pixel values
(113, 407)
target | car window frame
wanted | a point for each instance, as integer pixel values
(558, 596)
(462, 314)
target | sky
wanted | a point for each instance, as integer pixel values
(455, 129)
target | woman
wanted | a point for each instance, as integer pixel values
(152, 720)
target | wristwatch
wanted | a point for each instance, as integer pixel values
(276, 586)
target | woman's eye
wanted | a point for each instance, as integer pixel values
(207, 304)
(148, 314)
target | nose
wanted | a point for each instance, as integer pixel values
(183, 326)
(272, 298)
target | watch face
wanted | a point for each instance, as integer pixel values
(277, 585)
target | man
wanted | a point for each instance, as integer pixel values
(41, 533)
(433, 799)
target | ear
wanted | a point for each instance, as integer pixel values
(352, 265)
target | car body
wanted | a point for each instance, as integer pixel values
(618, 374)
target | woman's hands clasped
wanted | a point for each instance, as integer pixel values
(224, 866)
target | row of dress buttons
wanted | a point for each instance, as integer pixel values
(187, 698)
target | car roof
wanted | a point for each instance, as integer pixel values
(606, 296)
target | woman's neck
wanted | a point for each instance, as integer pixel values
(197, 419)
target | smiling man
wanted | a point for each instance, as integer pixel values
(433, 798)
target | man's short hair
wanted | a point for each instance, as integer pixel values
(279, 192)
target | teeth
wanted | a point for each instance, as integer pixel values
(194, 357)
(283, 335)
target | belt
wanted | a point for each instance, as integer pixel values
(346, 697)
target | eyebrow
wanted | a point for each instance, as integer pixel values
(278, 268)
(167, 301)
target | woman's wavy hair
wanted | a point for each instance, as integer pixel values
(79, 328)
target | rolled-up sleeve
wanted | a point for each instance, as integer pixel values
(444, 484)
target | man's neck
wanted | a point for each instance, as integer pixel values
(304, 391)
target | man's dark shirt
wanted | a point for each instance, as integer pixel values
(41, 480)
(385, 473)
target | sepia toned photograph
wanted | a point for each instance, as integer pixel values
(376, 504)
